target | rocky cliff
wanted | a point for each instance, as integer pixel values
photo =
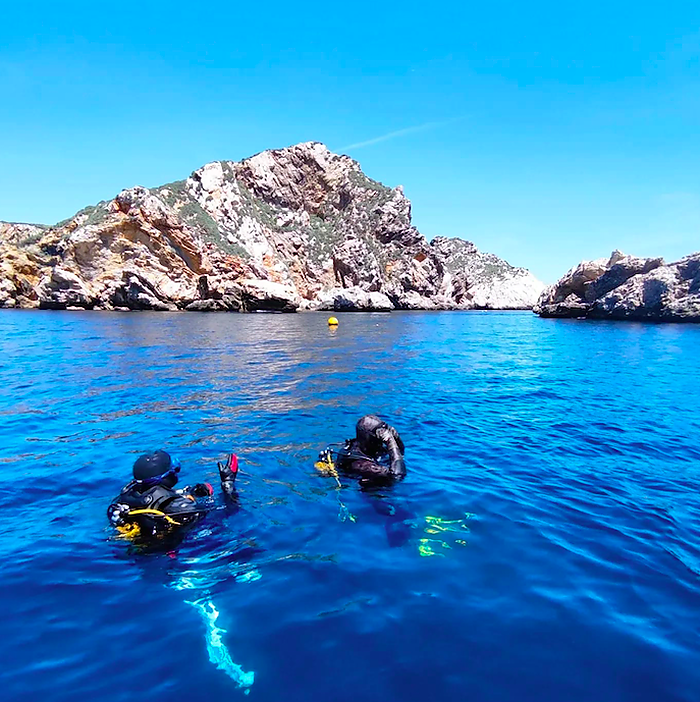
(625, 287)
(293, 228)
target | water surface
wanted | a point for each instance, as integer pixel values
(551, 551)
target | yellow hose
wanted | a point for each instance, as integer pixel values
(155, 512)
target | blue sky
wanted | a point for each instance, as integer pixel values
(545, 132)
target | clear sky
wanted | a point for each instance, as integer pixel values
(545, 132)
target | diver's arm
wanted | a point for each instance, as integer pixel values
(228, 472)
(184, 505)
(399, 441)
(391, 439)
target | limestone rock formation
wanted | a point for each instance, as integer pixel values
(625, 287)
(295, 228)
(353, 299)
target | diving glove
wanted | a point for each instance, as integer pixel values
(229, 470)
(202, 490)
(384, 433)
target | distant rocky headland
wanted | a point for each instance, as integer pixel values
(294, 228)
(626, 287)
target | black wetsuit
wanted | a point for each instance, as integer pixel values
(162, 513)
(376, 452)
(375, 456)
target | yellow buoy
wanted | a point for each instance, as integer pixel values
(332, 322)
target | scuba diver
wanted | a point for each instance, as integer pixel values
(149, 510)
(154, 516)
(375, 454)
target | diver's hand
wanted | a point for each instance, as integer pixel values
(398, 467)
(202, 490)
(229, 470)
(384, 433)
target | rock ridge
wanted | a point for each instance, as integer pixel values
(287, 229)
(627, 288)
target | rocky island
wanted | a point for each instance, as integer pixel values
(294, 228)
(626, 287)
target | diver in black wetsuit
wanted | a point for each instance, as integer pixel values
(375, 455)
(149, 509)
(376, 452)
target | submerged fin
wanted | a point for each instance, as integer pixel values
(218, 652)
(440, 527)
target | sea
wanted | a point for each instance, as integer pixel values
(544, 545)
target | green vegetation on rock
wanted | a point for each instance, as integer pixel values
(199, 219)
(173, 192)
(359, 179)
(96, 214)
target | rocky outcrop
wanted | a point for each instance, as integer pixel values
(625, 287)
(353, 299)
(296, 228)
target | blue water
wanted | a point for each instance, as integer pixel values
(563, 455)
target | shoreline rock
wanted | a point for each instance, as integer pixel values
(353, 299)
(285, 230)
(626, 288)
